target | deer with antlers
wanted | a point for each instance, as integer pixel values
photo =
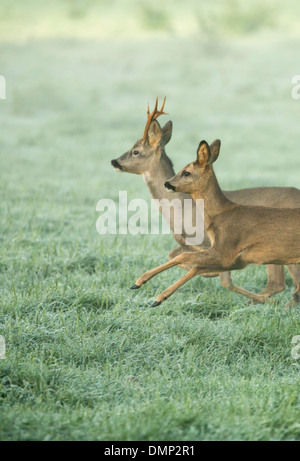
(148, 158)
(240, 235)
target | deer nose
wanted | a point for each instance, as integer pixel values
(169, 186)
(116, 164)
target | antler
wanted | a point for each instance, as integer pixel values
(156, 113)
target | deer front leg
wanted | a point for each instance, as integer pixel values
(226, 281)
(177, 251)
(169, 291)
(148, 275)
(182, 249)
(209, 259)
(276, 280)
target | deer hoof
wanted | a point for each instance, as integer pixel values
(157, 303)
(135, 287)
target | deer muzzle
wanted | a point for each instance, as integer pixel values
(169, 186)
(116, 165)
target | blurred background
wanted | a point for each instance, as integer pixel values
(80, 72)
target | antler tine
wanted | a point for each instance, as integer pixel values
(156, 113)
(155, 108)
(160, 112)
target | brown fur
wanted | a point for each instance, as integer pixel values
(156, 168)
(240, 235)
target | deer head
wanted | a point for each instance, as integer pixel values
(146, 151)
(196, 176)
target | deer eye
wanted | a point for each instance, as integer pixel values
(186, 173)
(135, 152)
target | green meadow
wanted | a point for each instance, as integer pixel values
(87, 358)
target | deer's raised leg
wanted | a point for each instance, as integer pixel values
(204, 262)
(177, 251)
(186, 249)
(226, 281)
(209, 260)
(169, 291)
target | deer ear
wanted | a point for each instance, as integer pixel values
(215, 150)
(155, 134)
(203, 154)
(167, 133)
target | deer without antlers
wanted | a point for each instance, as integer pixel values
(148, 159)
(240, 235)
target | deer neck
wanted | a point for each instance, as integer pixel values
(156, 177)
(215, 202)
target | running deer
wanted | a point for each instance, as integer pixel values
(240, 235)
(148, 159)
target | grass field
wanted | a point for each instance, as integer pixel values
(86, 357)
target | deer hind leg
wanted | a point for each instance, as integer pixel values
(294, 270)
(276, 280)
(226, 281)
